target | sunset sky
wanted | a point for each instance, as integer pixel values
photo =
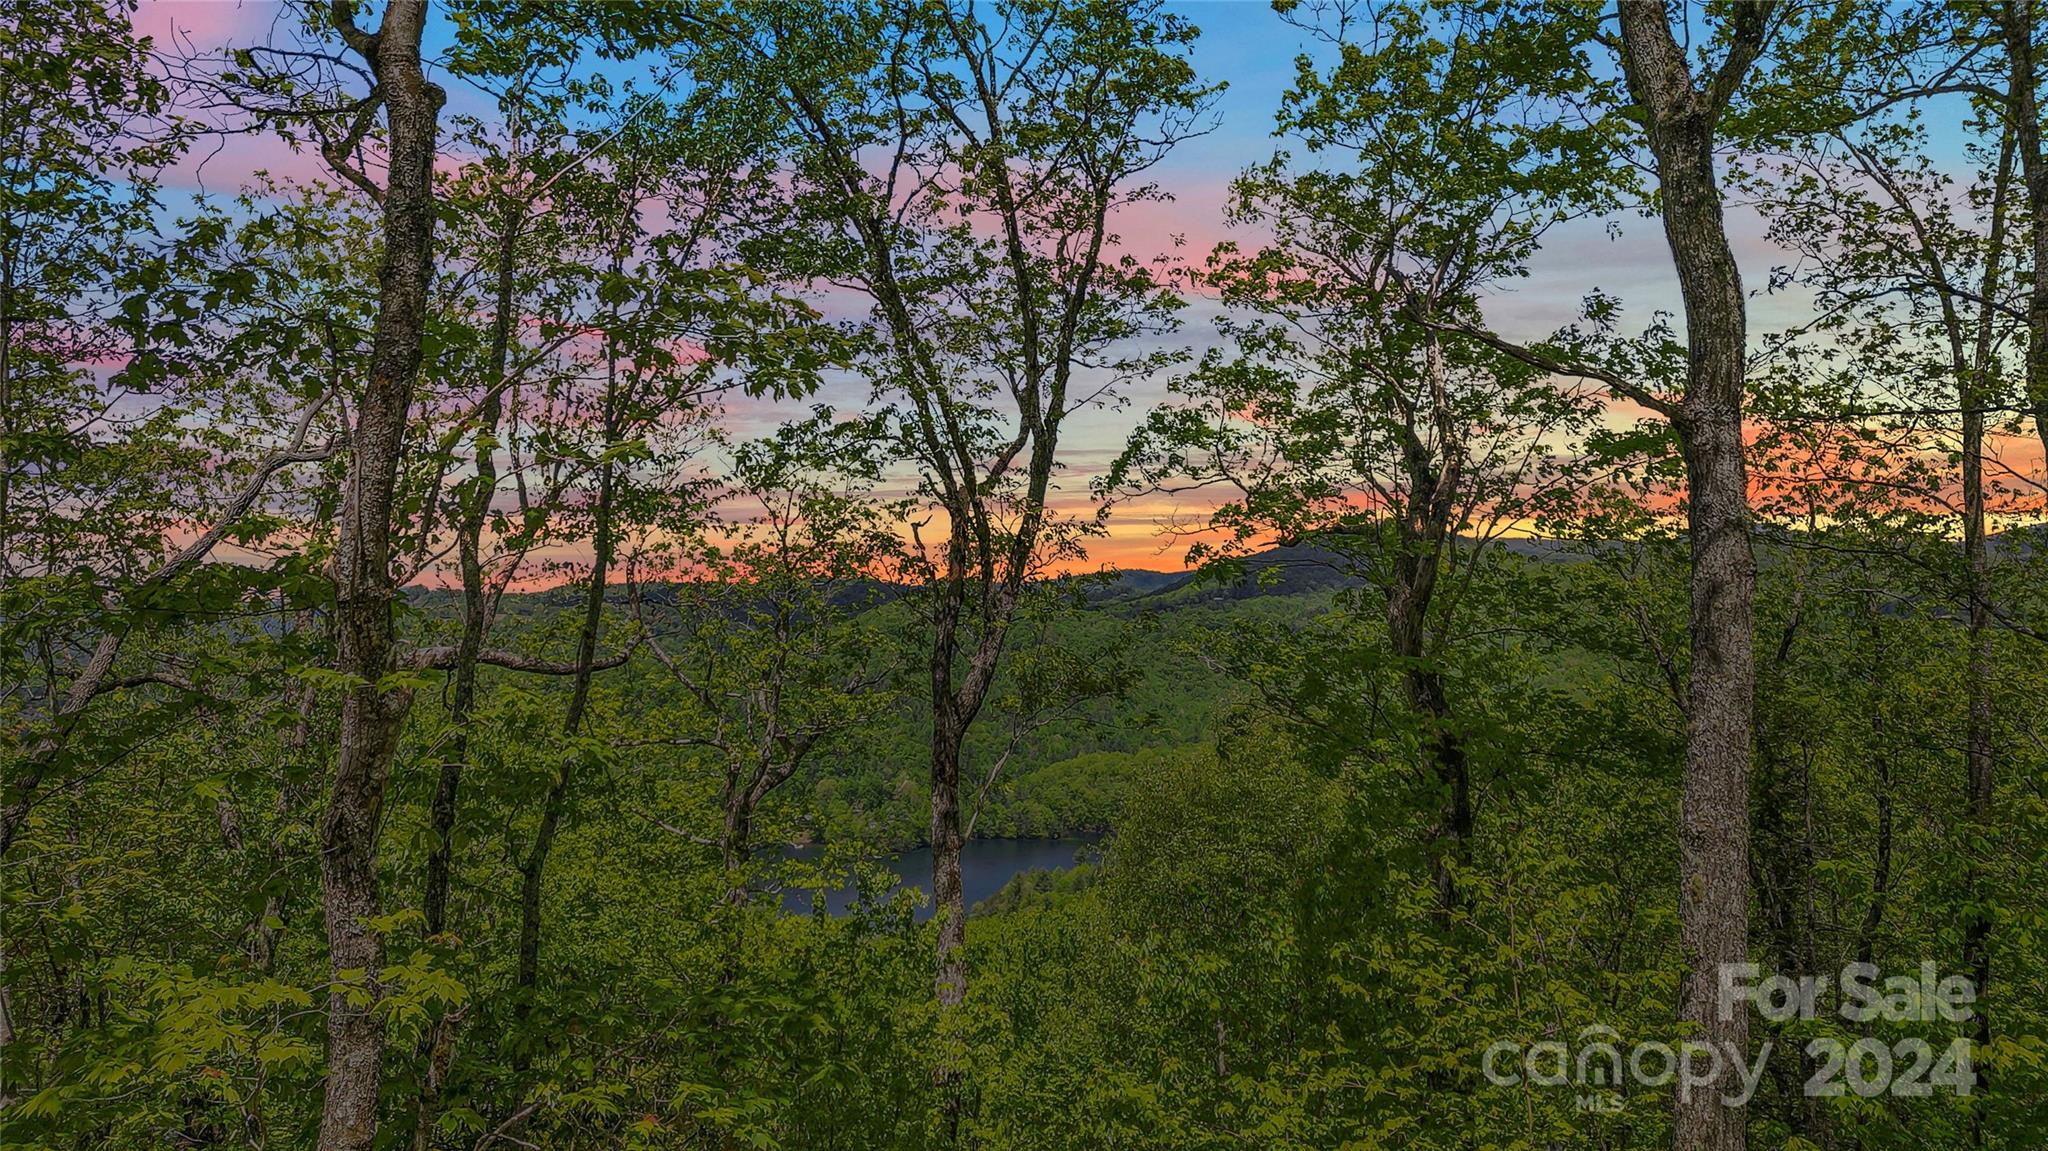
(1242, 44)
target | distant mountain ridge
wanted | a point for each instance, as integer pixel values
(1298, 569)
(1293, 570)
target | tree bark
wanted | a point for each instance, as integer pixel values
(733, 844)
(533, 869)
(1976, 392)
(475, 602)
(949, 904)
(957, 695)
(1424, 531)
(7, 259)
(2023, 116)
(1713, 902)
(1408, 604)
(364, 587)
(438, 1043)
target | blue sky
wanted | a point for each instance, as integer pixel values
(1243, 44)
(1248, 47)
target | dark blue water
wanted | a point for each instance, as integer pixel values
(985, 866)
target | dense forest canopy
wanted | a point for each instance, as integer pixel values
(1510, 532)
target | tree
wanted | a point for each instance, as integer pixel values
(364, 590)
(1344, 419)
(1679, 111)
(2019, 33)
(1907, 274)
(101, 322)
(771, 663)
(1035, 122)
(503, 404)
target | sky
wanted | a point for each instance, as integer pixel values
(1252, 51)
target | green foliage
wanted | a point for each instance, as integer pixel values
(662, 233)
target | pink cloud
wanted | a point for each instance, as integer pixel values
(195, 36)
(180, 25)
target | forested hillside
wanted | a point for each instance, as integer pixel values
(1485, 554)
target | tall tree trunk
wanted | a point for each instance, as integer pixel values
(950, 722)
(949, 901)
(476, 507)
(1714, 815)
(7, 259)
(957, 695)
(437, 1044)
(1713, 899)
(533, 869)
(1976, 392)
(1408, 603)
(1424, 532)
(1977, 728)
(733, 844)
(2016, 21)
(364, 588)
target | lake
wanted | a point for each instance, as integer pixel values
(985, 866)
